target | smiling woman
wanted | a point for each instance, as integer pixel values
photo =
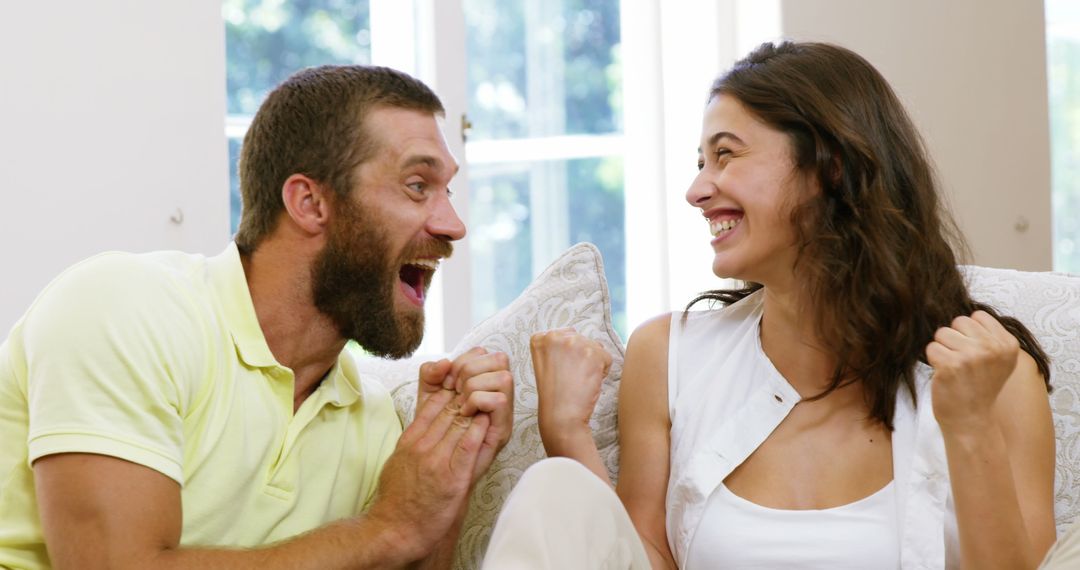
(746, 188)
(850, 405)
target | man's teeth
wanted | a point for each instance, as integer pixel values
(717, 226)
(429, 264)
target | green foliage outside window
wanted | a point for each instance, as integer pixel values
(269, 40)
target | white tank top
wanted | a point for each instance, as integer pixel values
(737, 533)
(725, 398)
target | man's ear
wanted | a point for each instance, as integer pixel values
(307, 203)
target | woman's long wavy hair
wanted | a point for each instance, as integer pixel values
(875, 246)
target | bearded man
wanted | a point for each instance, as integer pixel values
(167, 410)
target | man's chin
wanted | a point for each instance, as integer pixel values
(397, 344)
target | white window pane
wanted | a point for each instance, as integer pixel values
(543, 67)
(1063, 60)
(515, 233)
(545, 147)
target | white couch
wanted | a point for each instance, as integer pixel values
(573, 292)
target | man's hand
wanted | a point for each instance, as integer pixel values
(425, 483)
(482, 385)
(972, 358)
(569, 371)
(432, 377)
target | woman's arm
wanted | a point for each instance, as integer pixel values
(995, 417)
(644, 437)
(569, 369)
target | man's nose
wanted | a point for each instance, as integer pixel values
(444, 221)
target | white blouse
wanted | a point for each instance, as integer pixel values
(726, 397)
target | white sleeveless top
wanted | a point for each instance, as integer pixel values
(726, 397)
(737, 533)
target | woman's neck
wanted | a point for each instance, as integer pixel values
(790, 338)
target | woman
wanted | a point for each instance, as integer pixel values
(851, 406)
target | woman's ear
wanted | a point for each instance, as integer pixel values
(307, 203)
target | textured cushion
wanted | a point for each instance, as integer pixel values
(1049, 305)
(571, 292)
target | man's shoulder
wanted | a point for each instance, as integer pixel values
(119, 267)
(123, 289)
(129, 276)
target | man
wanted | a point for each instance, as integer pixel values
(167, 410)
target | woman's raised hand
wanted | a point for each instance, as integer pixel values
(972, 358)
(569, 370)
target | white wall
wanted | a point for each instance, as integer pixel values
(973, 75)
(111, 120)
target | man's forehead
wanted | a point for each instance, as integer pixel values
(411, 137)
(434, 162)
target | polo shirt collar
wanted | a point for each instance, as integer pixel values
(343, 381)
(227, 278)
(230, 284)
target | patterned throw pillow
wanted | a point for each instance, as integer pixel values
(571, 292)
(1049, 305)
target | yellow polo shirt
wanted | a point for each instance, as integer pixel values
(158, 359)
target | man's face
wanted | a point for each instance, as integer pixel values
(386, 238)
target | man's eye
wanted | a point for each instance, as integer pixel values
(416, 187)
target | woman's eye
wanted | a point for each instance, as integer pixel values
(720, 154)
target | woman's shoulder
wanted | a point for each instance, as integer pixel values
(728, 321)
(645, 370)
(654, 329)
(650, 339)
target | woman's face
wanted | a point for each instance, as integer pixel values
(746, 188)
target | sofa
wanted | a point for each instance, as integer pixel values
(572, 292)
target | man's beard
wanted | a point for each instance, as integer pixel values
(355, 281)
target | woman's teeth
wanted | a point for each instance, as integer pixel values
(718, 226)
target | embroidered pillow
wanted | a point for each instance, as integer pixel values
(571, 292)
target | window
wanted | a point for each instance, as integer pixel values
(268, 40)
(1063, 62)
(545, 144)
(538, 89)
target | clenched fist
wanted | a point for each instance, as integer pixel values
(972, 358)
(569, 370)
(480, 384)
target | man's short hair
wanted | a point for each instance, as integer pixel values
(313, 124)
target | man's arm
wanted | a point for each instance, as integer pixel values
(569, 370)
(103, 512)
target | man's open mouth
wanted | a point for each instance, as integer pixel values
(415, 276)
